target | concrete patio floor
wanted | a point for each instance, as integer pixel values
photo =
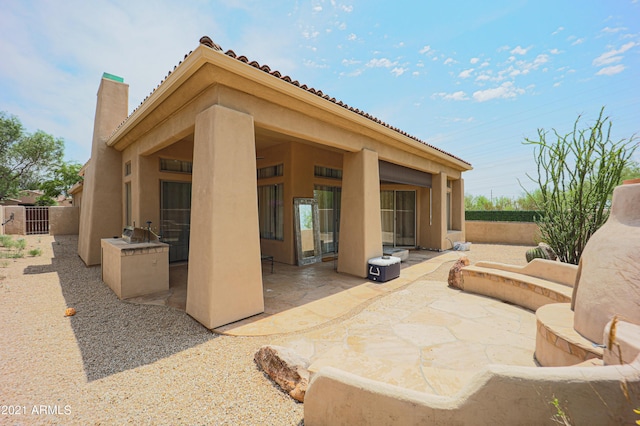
(413, 331)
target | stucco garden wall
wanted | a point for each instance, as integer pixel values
(17, 225)
(62, 220)
(483, 232)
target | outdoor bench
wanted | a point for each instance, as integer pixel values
(536, 284)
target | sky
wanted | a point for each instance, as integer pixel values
(472, 78)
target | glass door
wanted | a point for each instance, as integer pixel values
(398, 216)
(328, 198)
(405, 231)
(175, 218)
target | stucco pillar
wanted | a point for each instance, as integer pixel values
(360, 223)
(225, 276)
(101, 213)
(457, 205)
(438, 229)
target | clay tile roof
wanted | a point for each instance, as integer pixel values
(206, 41)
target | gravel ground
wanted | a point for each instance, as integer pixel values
(120, 363)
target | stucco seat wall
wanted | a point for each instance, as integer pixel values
(523, 286)
(499, 395)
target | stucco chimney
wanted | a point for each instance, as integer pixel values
(101, 212)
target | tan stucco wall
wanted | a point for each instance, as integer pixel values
(517, 233)
(17, 226)
(500, 395)
(64, 220)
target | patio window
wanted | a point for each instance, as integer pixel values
(127, 168)
(327, 172)
(176, 166)
(270, 211)
(270, 171)
(127, 204)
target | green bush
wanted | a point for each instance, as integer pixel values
(503, 215)
(6, 241)
(35, 252)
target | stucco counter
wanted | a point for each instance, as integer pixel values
(133, 270)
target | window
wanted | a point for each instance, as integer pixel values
(270, 171)
(327, 172)
(127, 204)
(127, 168)
(176, 166)
(270, 212)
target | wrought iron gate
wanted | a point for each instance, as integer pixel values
(37, 220)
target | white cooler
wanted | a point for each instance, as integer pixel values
(385, 268)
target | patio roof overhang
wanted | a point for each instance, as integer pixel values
(206, 67)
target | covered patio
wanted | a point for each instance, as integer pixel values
(298, 298)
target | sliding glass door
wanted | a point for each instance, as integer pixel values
(175, 218)
(328, 198)
(398, 215)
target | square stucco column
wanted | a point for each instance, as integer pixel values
(457, 205)
(438, 228)
(225, 276)
(360, 223)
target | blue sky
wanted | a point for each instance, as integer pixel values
(473, 78)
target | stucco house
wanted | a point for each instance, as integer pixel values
(216, 155)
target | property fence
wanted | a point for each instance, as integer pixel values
(55, 220)
(36, 220)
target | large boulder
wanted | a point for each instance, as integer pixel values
(286, 368)
(455, 276)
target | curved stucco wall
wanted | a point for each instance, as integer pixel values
(520, 233)
(609, 274)
(499, 395)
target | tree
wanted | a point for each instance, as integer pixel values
(24, 158)
(576, 175)
(63, 178)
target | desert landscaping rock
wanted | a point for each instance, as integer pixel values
(455, 277)
(286, 368)
(122, 363)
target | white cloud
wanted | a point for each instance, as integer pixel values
(555, 51)
(520, 50)
(578, 41)
(380, 63)
(505, 91)
(616, 69)
(540, 59)
(317, 8)
(557, 84)
(484, 64)
(352, 37)
(415, 73)
(398, 71)
(613, 30)
(503, 48)
(349, 62)
(558, 30)
(474, 60)
(456, 96)
(449, 61)
(425, 50)
(483, 77)
(347, 9)
(310, 34)
(466, 73)
(612, 55)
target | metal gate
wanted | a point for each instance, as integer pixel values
(37, 220)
